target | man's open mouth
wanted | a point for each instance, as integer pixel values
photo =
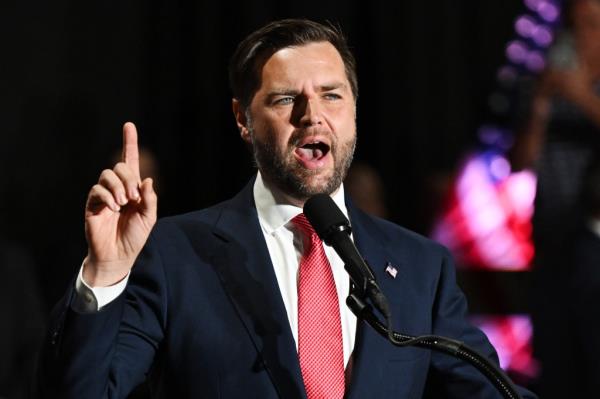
(313, 150)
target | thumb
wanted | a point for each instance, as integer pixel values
(149, 199)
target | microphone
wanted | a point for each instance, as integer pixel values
(334, 230)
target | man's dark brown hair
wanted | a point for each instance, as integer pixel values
(252, 53)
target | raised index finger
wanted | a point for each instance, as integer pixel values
(131, 155)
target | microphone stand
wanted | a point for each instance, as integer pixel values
(357, 303)
(334, 229)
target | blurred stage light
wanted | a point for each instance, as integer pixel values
(527, 28)
(512, 336)
(495, 137)
(548, 11)
(542, 36)
(533, 4)
(535, 61)
(486, 222)
(516, 51)
(499, 167)
(525, 25)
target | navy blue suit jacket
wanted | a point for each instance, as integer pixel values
(202, 317)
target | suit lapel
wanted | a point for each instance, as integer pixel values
(242, 260)
(244, 266)
(370, 348)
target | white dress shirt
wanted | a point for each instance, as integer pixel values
(284, 243)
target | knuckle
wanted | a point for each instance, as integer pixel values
(104, 174)
(96, 189)
(121, 168)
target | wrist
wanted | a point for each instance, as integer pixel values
(103, 274)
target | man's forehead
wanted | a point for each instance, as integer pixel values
(317, 61)
(322, 51)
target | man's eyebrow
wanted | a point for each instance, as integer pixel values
(282, 92)
(332, 86)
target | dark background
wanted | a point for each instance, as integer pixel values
(73, 71)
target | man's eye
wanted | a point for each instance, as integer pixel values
(332, 96)
(284, 101)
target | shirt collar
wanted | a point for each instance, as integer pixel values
(274, 212)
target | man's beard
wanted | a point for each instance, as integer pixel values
(289, 176)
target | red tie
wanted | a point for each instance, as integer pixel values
(320, 347)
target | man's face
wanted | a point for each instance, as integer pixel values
(301, 121)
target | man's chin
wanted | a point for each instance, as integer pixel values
(321, 183)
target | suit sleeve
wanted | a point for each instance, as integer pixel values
(106, 354)
(450, 377)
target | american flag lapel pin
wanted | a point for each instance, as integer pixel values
(391, 270)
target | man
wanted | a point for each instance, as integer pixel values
(241, 300)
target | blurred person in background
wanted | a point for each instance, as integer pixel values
(561, 135)
(582, 296)
(365, 187)
(559, 139)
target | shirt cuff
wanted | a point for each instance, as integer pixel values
(93, 299)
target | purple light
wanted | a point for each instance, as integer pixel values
(490, 134)
(542, 36)
(533, 4)
(499, 167)
(495, 136)
(535, 61)
(525, 26)
(548, 11)
(516, 51)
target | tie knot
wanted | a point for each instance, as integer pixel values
(304, 225)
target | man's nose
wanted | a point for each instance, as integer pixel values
(311, 114)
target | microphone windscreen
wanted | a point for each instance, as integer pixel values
(324, 215)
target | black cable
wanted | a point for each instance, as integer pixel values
(438, 343)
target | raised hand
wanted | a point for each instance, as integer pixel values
(119, 214)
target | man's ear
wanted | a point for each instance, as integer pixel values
(240, 118)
